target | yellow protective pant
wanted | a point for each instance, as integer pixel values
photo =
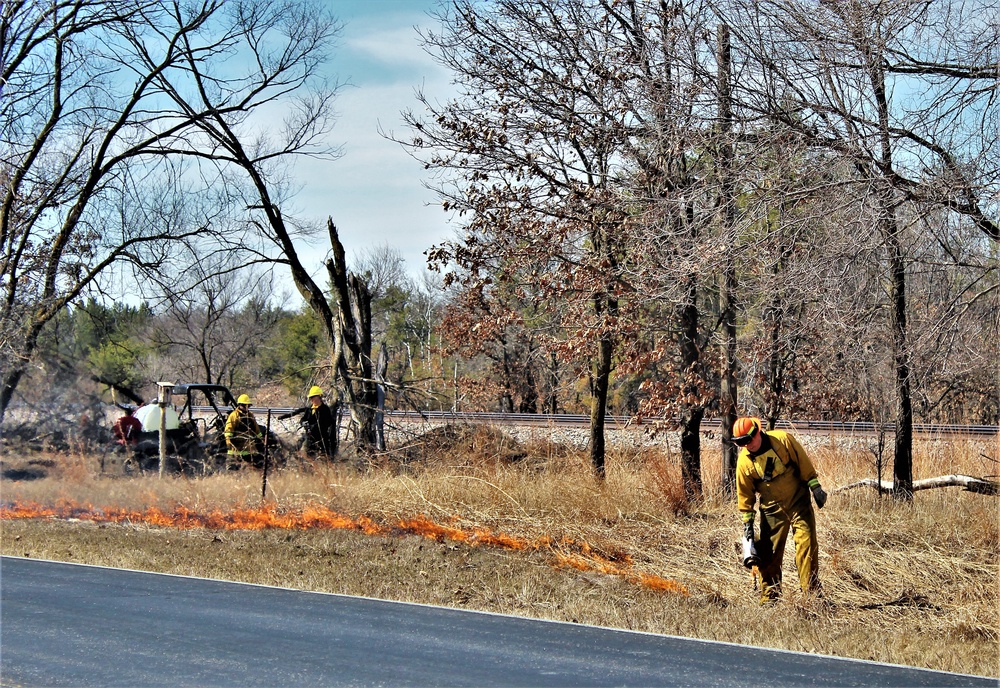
(775, 523)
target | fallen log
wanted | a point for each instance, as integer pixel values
(966, 482)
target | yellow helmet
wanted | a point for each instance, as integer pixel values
(244, 399)
(315, 391)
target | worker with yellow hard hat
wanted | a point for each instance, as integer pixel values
(320, 424)
(773, 466)
(242, 433)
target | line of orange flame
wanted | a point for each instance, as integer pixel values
(565, 552)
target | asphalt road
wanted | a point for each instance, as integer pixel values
(71, 625)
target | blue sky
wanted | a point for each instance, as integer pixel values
(374, 192)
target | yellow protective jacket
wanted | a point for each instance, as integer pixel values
(241, 432)
(791, 473)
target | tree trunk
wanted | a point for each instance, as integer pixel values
(968, 483)
(363, 412)
(353, 345)
(691, 451)
(902, 470)
(903, 460)
(781, 344)
(599, 403)
(381, 370)
(529, 397)
(692, 412)
(775, 365)
(606, 312)
(507, 395)
(729, 393)
(12, 378)
(9, 383)
(552, 400)
(335, 435)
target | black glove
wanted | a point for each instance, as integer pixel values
(819, 494)
(748, 530)
(284, 416)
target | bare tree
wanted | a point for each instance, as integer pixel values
(684, 155)
(728, 394)
(954, 320)
(533, 146)
(498, 324)
(288, 42)
(569, 151)
(109, 107)
(353, 344)
(212, 321)
(384, 269)
(905, 91)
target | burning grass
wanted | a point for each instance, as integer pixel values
(563, 552)
(488, 524)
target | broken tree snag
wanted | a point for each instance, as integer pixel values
(353, 341)
(970, 484)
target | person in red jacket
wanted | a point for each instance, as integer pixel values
(127, 428)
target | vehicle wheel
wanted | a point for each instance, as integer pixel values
(193, 461)
(130, 466)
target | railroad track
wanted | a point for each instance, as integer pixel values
(583, 421)
(568, 420)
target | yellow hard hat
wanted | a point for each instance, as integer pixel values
(315, 391)
(244, 399)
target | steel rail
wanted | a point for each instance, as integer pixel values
(570, 420)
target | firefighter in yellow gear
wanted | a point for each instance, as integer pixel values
(774, 466)
(320, 423)
(242, 432)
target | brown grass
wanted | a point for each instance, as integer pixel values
(469, 518)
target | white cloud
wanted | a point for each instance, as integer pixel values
(398, 47)
(374, 192)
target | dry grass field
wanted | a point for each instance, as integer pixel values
(479, 522)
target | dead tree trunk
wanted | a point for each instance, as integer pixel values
(968, 483)
(354, 343)
(381, 370)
